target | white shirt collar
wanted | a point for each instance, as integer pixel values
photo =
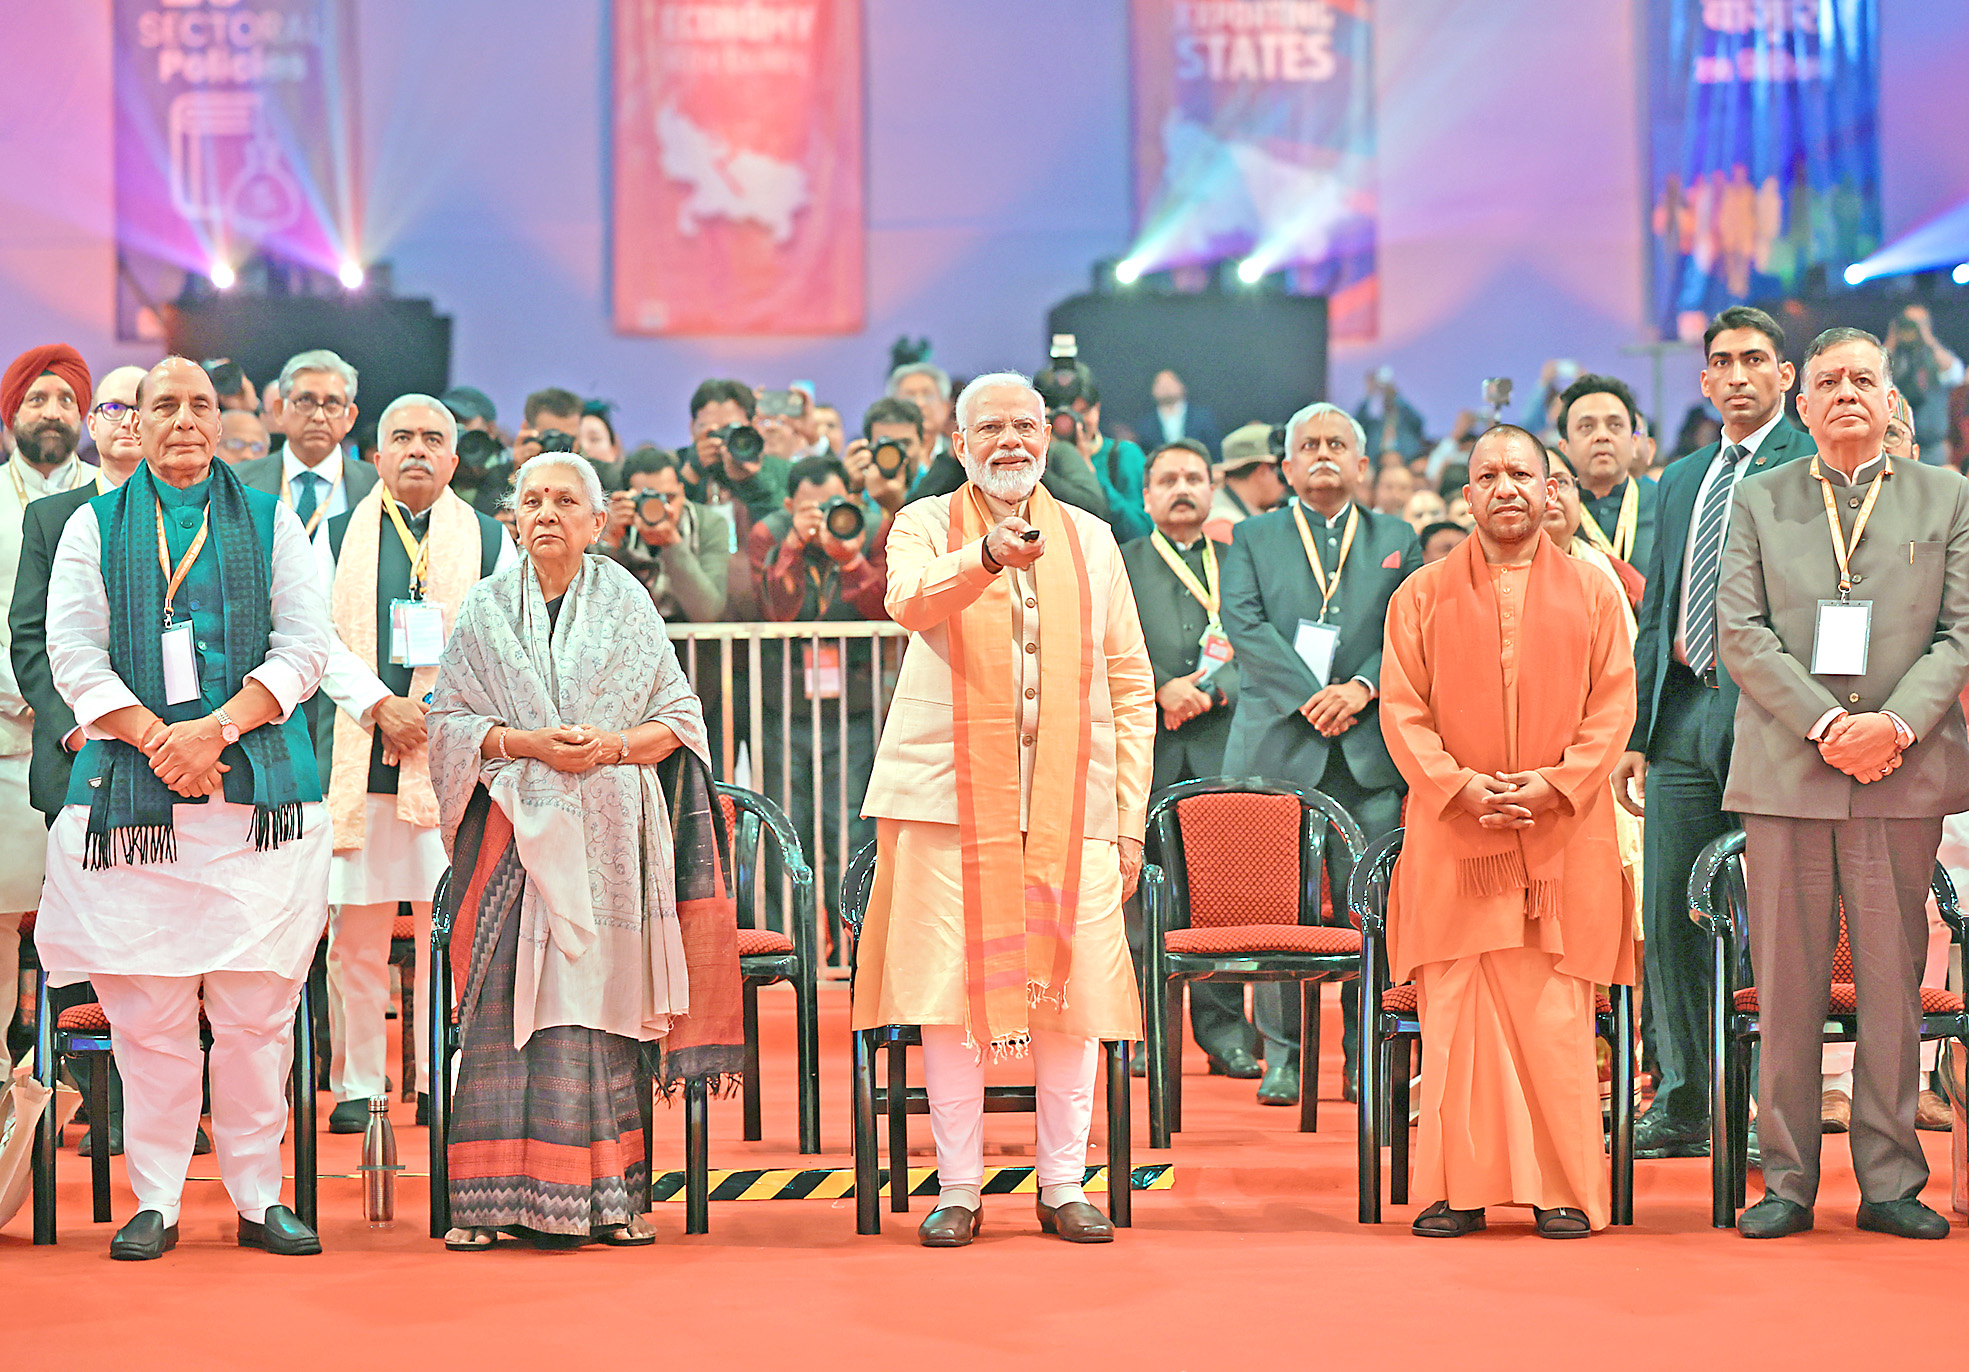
(1756, 440)
(62, 478)
(330, 469)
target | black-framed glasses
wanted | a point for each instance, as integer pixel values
(332, 406)
(115, 411)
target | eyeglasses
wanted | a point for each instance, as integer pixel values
(331, 407)
(244, 446)
(113, 410)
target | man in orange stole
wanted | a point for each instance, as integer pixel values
(1509, 902)
(1009, 793)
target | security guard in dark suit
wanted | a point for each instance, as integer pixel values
(1176, 576)
(1680, 749)
(1306, 593)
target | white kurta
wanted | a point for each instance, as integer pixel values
(222, 906)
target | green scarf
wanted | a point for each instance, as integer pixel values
(131, 816)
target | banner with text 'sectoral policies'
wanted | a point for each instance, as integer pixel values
(738, 204)
(235, 136)
(1254, 137)
(1764, 149)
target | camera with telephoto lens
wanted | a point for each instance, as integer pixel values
(1060, 383)
(555, 441)
(653, 509)
(890, 456)
(476, 447)
(743, 443)
(843, 518)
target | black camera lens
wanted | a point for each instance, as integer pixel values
(741, 441)
(1066, 424)
(555, 441)
(652, 509)
(476, 447)
(1275, 440)
(889, 456)
(843, 518)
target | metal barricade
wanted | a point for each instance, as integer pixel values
(766, 691)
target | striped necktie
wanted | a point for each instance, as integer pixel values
(1706, 561)
(304, 503)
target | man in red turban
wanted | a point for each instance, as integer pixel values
(56, 360)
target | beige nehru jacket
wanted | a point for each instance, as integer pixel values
(915, 776)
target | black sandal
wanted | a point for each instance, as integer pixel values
(1441, 1222)
(1565, 1222)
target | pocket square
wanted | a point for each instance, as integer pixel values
(1392, 560)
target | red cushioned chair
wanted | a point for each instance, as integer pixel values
(1721, 906)
(1235, 890)
(766, 955)
(899, 1100)
(1393, 1029)
(84, 1030)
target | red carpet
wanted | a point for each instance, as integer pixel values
(1254, 1253)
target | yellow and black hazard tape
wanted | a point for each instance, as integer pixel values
(837, 1183)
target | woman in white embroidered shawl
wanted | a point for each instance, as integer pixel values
(588, 880)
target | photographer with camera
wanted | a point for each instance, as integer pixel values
(885, 459)
(1924, 372)
(595, 440)
(1073, 406)
(678, 549)
(926, 386)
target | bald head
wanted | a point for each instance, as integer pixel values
(112, 421)
(178, 424)
(119, 385)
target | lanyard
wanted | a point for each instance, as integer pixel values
(321, 501)
(1841, 548)
(173, 580)
(20, 486)
(102, 483)
(1206, 590)
(1621, 545)
(419, 552)
(1329, 587)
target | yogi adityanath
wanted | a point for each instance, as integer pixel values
(1009, 793)
(1509, 902)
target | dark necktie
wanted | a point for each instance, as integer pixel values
(1706, 561)
(304, 504)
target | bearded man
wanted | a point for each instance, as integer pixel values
(1010, 793)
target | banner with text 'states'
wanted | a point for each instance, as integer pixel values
(1254, 140)
(235, 136)
(738, 166)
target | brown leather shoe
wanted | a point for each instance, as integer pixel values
(1076, 1222)
(1931, 1112)
(1835, 1112)
(950, 1226)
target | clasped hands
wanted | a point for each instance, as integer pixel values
(1182, 699)
(1865, 747)
(185, 756)
(1333, 710)
(1509, 800)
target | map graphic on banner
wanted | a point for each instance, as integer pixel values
(233, 138)
(1254, 139)
(738, 167)
(1764, 149)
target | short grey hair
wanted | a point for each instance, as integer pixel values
(1314, 411)
(591, 484)
(316, 360)
(1846, 333)
(414, 400)
(967, 402)
(929, 369)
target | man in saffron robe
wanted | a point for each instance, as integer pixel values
(1010, 792)
(1509, 902)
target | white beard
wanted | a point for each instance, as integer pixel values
(1012, 487)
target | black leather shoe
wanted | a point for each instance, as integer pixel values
(1076, 1222)
(423, 1109)
(87, 1147)
(143, 1238)
(280, 1232)
(1138, 1060)
(950, 1226)
(1656, 1135)
(1280, 1086)
(1904, 1219)
(1237, 1064)
(1773, 1218)
(349, 1117)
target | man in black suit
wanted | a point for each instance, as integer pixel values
(1680, 749)
(1306, 593)
(1174, 415)
(1175, 575)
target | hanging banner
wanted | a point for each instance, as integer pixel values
(235, 137)
(1254, 141)
(738, 166)
(1764, 149)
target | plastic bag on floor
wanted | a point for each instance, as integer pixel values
(21, 1109)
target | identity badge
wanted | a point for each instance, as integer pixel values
(1316, 643)
(1215, 651)
(1839, 645)
(180, 665)
(416, 633)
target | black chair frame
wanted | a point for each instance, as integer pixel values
(758, 816)
(1165, 906)
(1720, 903)
(1384, 1094)
(898, 1100)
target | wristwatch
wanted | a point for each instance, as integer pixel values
(227, 729)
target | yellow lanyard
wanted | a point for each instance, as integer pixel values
(1329, 587)
(419, 552)
(321, 502)
(102, 484)
(173, 580)
(1841, 548)
(20, 486)
(1621, 545)
(1206, 590)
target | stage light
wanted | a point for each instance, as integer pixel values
(1855, 274)
(1127, 271)
(1251, 271)
(1960, 276)
(222, 276)
(351, 275)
